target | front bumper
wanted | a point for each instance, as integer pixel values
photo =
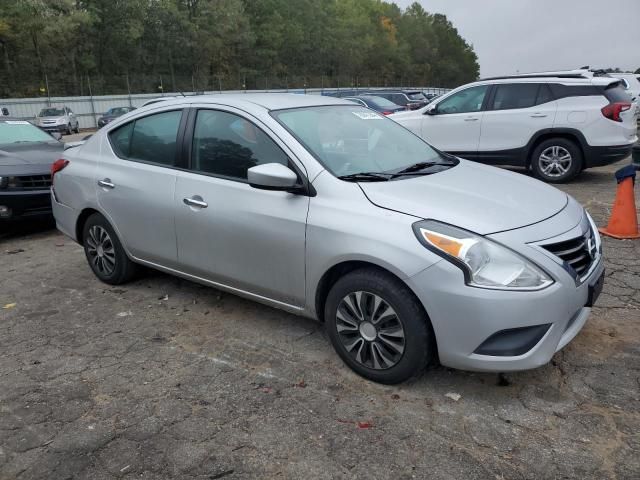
(465, 317)
(26, 203)
(54, 128)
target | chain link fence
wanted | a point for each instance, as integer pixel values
(95, 95)
(94, 85)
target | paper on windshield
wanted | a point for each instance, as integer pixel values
(17, 122)
(367, 115)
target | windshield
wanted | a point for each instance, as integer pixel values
(51, 112)
(417, 96)
(117, 111)
(20, 131)
(382, 102)
(350, 139)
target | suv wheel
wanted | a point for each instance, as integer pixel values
(378, 327)
(556, 160)
(69, 131)
(77, 129)
(105, 253)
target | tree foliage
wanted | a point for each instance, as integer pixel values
(142, 45)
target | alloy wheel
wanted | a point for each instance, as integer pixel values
(100, 250)
(370, 330)
(555, 161)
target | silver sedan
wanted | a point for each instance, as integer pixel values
(329, 210)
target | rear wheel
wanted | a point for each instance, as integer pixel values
(77, 129)
(105, 253)
(69, 131)
(378, 327)
(556, 160)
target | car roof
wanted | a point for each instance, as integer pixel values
(541, 78)
(268, 101)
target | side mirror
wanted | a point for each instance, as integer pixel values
(432, 110)
(273, 176)
(56, 135)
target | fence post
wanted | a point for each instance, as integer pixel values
(129, 91)
(46, 82)
(93, 107)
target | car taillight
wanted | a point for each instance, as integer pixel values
(613, 110)
(387, 112)
(57, 166)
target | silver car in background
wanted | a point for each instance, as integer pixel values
(58, 119)
(329, 210)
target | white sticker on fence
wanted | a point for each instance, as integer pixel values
(367, 115)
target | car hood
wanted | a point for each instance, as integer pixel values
(15, 156)
(475, 197)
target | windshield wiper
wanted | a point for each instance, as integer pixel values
(416, 168)
(366, 177)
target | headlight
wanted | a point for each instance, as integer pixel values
(486, 264)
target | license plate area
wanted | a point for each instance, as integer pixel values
(595, 289)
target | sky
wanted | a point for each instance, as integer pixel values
(511, 36)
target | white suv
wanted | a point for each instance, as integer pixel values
(555, 124)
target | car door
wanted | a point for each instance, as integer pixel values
(453, 125)
(136, 183)
(229, 232)
(516, 112)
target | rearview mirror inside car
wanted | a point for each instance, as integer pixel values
(272, 176)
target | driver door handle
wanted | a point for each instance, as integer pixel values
(471, 119)
(195, 201)
(538, 115)
(106, 183)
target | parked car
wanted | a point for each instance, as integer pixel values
(379, 104)
(329, 210)
(58, 119)
(112, 114)
(411, 99)
(26, 156)
(631, 83)
(343, 93)
(556, 126)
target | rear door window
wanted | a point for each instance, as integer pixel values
(515, 95)
(148, 139)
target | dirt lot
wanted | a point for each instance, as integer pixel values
(163, 378)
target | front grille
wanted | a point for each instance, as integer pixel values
(578, 253)
(32, 182)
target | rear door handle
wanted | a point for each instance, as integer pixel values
(471, 119)
(538, 115)
(106, 183)
(195, 201)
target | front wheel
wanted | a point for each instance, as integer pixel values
(105, 253)
(556, 160)
(378, 327)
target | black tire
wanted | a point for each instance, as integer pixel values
(77, 129)
(544, 156)
(115, 268)
(418, 342)
(69, 131)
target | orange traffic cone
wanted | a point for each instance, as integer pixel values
(624, 220)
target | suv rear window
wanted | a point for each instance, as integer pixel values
(615, 92)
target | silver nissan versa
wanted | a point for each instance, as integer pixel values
(327, 209)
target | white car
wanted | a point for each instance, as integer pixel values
(555, 124)
(58, 119)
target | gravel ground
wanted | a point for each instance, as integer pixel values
(163, 378)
